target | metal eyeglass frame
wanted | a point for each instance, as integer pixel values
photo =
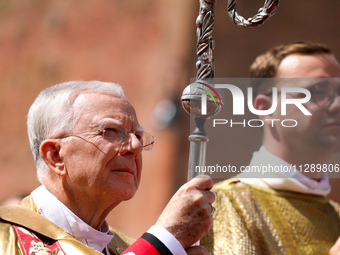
(146, 147)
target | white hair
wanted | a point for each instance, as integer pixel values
(52, 113)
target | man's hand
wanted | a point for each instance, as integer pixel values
(188, 214)
(335, 250)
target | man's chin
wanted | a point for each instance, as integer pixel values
(329, 143)
(337, 147)
(127, 191)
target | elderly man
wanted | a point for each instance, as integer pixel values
(87, 145)
(287, 213)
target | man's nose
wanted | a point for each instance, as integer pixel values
(335, 105)
(131, 145)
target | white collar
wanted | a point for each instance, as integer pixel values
(54, 210)
(292, 180)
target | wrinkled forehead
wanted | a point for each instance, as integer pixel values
(94, 109)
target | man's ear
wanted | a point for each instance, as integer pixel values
(50, 153)
(263, 102)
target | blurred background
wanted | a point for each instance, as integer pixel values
(147, 46)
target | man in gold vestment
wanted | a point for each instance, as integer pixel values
(286, 212)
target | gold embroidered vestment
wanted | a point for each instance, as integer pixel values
(255, 220)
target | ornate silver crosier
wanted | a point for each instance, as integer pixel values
(200, 99)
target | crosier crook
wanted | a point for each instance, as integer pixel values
(192, 95)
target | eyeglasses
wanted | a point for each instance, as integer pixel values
(115, 136)
(322, 93)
